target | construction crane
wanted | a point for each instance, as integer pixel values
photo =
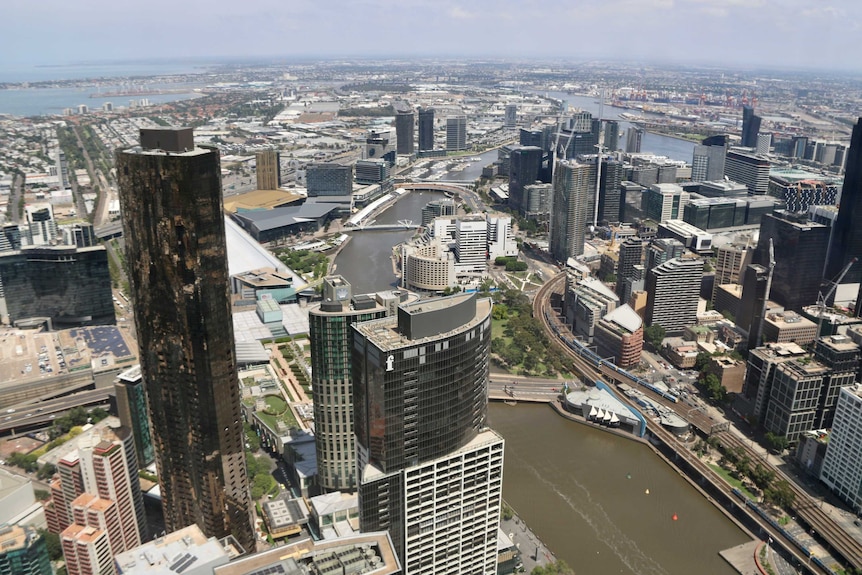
(766, 295)
(823, 298)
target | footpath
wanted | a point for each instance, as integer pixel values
(533, 551)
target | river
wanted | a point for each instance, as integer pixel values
(569, 482)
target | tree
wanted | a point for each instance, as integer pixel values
(777, 443)
(556, 568)
(654, 335)
(701, 361)
(779, 494)
(52, 541)
(761, 476)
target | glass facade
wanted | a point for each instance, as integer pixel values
(173, 226)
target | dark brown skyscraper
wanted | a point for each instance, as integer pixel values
(846, 241)
(171, 198)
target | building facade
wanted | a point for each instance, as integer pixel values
(846, 240)
(426, 129)
(456, 133)
(842, 464)
(23, 552)
(171, 198)
(330, 333)
(268, 169)
(328, 179)
(430, 470)
(574, 186)
(67, 285)
(673, 290)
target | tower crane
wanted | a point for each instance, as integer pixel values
(823, 298)
(766, 295)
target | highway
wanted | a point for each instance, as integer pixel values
(28, 417)
(806, 508)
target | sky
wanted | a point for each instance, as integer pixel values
(789, 34)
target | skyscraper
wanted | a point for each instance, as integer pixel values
(456, 133)
(612, 135)
(331, 380)
(846, 242)
(574, 186)
(426, 129)
(173, 224)
(511, 119)
(634, 139)
(404, 130)
(268, 169)
(749, 169)
(430, 471)
(525, 168)
(673, 290)
(631, 255)
(750, 127)
(610, 191)
(707, 163)
(800, 250)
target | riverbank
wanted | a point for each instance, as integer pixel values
(533, 552)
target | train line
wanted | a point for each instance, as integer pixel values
(591, 366)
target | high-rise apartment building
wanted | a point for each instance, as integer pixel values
(764, 143)
(610, 191)
(673, 290)
(730, 261)
(69, 286)
(620, 335)
(634, 139)
(456, 133)
(749, 314)
(800, 252)
(330, 333)
(97, 486)
(426, 129)
(173, 224)
(62, 170)
(430, 470)
(404, 130)
(846, 242)
(471, 245)
(268, 168)
(574, 186)
(842, 464)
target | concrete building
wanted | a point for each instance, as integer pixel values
(760, 374)
(268, 168)
(511, 118)
(786, 326)
(842, 464)
(428, 266)
(436, 209)
(537, 203)
(574, 186)
(673, 290)
(707, 163)
(525, 168)
(661, 250)
(62, 285)
(749, 169)
(611, 198)
(501, 239)
(471, 245)
(430, 470)
(587, 301)
(97, 487)
(730, 261)
(620, 335)
(174, 231)
(86, 551)
(188, 551)
(371, 171)
(456, 133)
(331, 379)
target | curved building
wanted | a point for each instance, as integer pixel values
(430, 472)
(427, 267)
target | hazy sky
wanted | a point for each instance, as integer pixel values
(786, 33)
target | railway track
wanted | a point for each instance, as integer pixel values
(844, 545)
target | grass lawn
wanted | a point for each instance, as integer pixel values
(275, 403)
(498, 326)
(272, 420)
(732, 480)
